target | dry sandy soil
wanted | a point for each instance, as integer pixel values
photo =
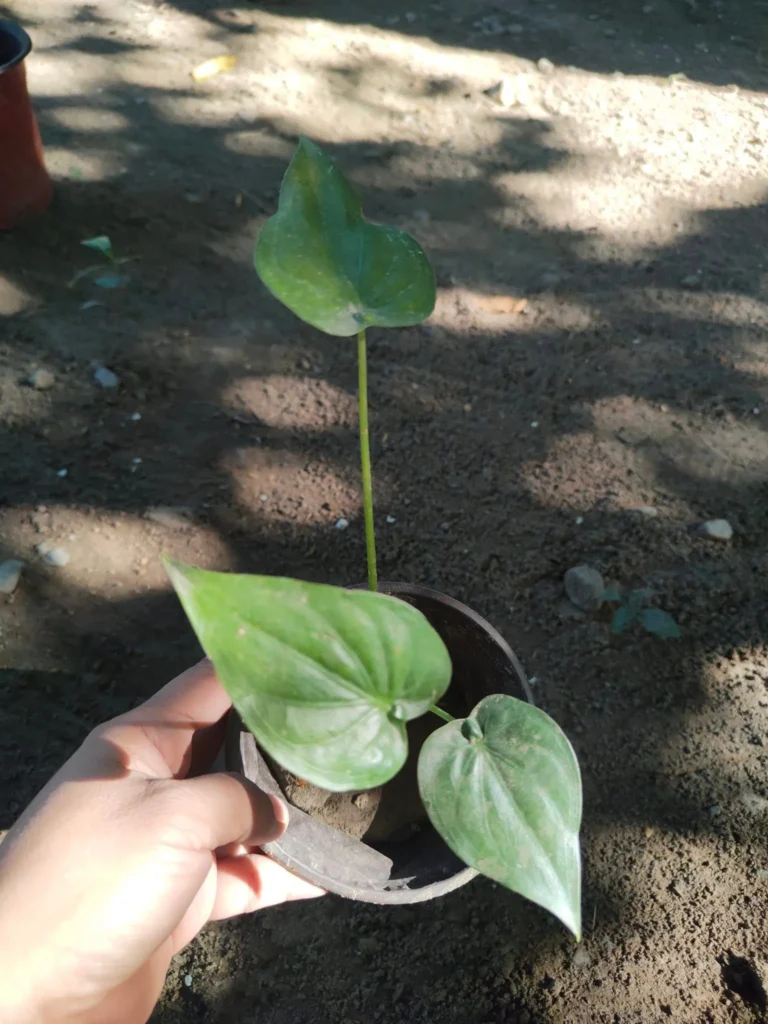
(622, 193)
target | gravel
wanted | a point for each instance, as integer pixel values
(716, 529)
(584, 587)
(10, 574)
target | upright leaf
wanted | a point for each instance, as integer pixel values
(331, 267)
(503, 789)
(101, 243)
(324, 678)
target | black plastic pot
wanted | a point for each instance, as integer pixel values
(421, 866)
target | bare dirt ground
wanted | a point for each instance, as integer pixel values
(622, 194)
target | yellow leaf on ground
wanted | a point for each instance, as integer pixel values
(214, 66)
(502, 304)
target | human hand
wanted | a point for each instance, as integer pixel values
(122, 858)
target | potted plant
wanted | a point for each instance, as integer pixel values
(25, 187)
(397, 721)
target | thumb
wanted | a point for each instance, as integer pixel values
(226, 808)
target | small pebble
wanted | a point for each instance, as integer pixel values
(10, 573)
(756, 411)
(361, 800)
(579, 520)
(188, 980)
(57, 557)
(41, 380)
(265, 497)
(713, 810)
(545, 65)
(716, 529)
(391, 520)
(136, 417)
(534, 424)
(341, 524)
(137, 460)
(510, 92)
(106, 378)
(581, 957)
(62, 473)
(174, 518)
(584, 587)
(568, 612)
(691, 282)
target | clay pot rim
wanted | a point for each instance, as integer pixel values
(10, 29)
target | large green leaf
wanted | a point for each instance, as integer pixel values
(503, 789)
(324, 678)
(329, 265)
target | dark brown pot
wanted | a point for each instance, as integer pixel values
(421, 866)
(25, 188)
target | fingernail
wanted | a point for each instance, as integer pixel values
(282, 815)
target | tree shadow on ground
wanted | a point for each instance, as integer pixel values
(492, 436)
(707, 40)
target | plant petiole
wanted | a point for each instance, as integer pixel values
(365, 461)
(441, 714)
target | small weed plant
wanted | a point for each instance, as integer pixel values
(632, 609)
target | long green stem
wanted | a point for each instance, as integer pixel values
(441, 714)
(365, 460)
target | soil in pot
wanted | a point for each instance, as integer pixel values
(378, 845)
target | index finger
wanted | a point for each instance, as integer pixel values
(169, 721)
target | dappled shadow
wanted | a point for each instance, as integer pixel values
(706, 40)
(617, 385)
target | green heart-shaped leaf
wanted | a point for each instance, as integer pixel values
(325, 678)
(331, 267)
(503, 789)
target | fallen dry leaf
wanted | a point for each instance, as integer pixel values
(214, 66)
(501, 304)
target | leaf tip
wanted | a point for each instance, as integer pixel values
(571, 918)
(178, 574)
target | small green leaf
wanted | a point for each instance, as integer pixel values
(505, 795)
(660, 623)
(623, 617)
(331, 267)
(101, 243)
(325, 678)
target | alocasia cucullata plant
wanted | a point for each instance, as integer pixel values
(325, 678)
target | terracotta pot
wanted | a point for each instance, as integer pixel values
(25, 188)
(420, 866)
